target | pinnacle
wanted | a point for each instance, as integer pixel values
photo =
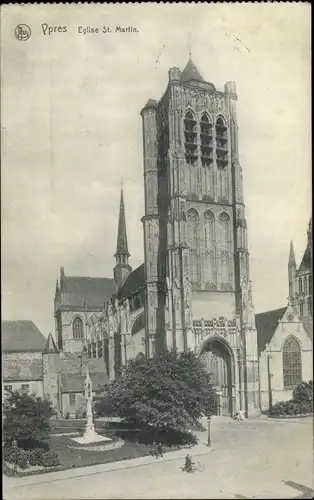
(291, 254)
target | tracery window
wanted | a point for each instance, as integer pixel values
(305, 285)
(209, 242)
(292, 369)
(194, 245)
(224, 248)
(309, 305)
(301, 309)
(78, 328)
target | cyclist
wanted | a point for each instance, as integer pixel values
(188, 466)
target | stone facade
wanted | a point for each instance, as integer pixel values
(195, 288)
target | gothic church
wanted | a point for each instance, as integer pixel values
(193, 290)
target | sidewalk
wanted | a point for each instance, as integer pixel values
(17, 482)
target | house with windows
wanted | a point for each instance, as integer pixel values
(285, 336)
(22, 346)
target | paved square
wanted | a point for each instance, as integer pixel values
(252, 459)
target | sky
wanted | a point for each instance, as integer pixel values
(71, 129)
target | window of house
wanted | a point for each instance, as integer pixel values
(89, 351)
(8, 388)
(310, 284)
(292, 373)
(25, 387)
(300, 285)
(72, 399)
(78, 328)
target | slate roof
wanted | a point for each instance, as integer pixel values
(308, 327)
(74, 382)
(21, 369)
(132, 283)
(151, 103)
(21, 336)
(191, 72)
(306, 260)
(93, 290)
(266, 324)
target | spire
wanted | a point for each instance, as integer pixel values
(122, 240)
(309, 232)
(191, 72)
(291, 254)
(50, 347)
(122, 268)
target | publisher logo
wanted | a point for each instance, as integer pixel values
(22, 32)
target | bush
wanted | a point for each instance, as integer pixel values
(25, 418)
(303, 392)
(50, 459)
(35, 456)
(16, 456)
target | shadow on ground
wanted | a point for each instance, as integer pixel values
(305, 491)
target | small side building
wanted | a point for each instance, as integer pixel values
(22, 344)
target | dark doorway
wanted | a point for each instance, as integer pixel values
(218, 361)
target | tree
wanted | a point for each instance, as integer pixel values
(167, 391)
(26, 419)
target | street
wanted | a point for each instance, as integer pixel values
(261, 458)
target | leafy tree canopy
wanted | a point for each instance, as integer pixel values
(26, 418)
(166, 391)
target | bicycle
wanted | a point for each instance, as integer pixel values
(195, 467)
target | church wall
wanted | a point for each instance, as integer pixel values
(69, 343)
(283, 331)
(210, 305)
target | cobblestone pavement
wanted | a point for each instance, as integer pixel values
(260, 458)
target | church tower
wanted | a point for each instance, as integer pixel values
(122, 268)
(195, 229)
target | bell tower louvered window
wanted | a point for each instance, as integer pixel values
(206, 140)
(221, 143)
(190, 135)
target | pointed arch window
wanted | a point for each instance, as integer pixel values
(209, 242)
(224, 250)
(300, 286)
(292, 369)
(194, 245)
(221, 143)
(78, 328)
(301, 309)
(305, 285)
(309, 305)
(206, 140)
(190, 135)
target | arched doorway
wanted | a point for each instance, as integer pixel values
(218, 360)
